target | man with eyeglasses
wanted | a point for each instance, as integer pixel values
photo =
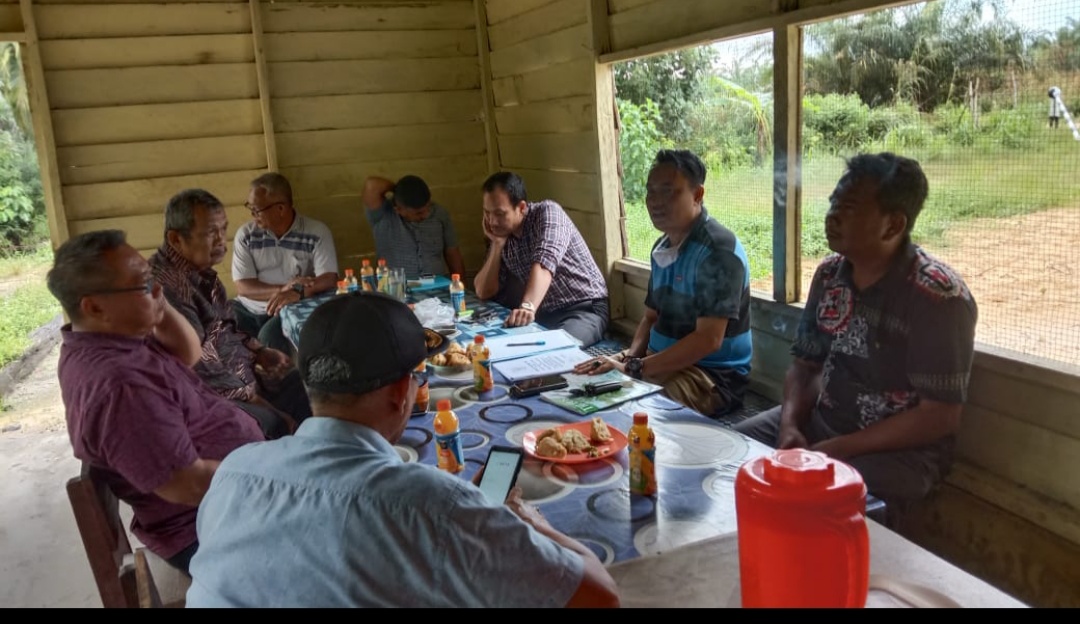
(235, 364)
(411, 232)
(135, 409)
(279, 258)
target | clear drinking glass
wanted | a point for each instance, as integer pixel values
(397, 282)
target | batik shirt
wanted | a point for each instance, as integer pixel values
(908, 337)
(228, 362)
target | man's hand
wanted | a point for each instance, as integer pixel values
(290, 422)
(525, 511)
(491, 235)
(790, 437)
(280, 300)
(520, 318)
(599, 366)
(274, 362)
(833, 447)
(306, 282)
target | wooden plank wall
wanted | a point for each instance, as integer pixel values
(544, 81)
(146, 101)
(377, 88)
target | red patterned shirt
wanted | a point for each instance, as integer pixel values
(228, 363)
(550, 239)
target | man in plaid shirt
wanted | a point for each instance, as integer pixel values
(537, 245)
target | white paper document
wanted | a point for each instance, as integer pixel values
(551, 363)
(523, 345)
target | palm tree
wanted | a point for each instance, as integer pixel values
(13, 89)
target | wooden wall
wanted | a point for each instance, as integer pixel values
(554, 111)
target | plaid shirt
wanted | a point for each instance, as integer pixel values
(416, 247)
(227, 364)
(550, 239)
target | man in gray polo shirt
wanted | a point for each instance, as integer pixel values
(279, 257)
(411, 232)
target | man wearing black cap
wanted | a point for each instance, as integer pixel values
(332, 517)
(411, 232)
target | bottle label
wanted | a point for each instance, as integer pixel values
(457, 301)
(642, 471)
(448, 447)
(482, 380)
(369, 283)
(423, 397)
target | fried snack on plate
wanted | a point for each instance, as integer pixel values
(457, 359)
(599, 433)
(438, 360)
(575, 441)
(455, 347)
(550, 447)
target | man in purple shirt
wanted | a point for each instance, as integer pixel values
(135, 410)
(536, 245)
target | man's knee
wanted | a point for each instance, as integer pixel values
(764, 427)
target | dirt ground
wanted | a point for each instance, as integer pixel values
(1027, 286)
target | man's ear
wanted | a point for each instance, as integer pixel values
(522, 207)
(173, 238)
(699, 194)
(897, 225)
(89, 308)
(399, 390)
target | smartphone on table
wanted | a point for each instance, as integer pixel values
(536, 385)
(500, 472)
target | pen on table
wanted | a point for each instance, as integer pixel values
(527, 344)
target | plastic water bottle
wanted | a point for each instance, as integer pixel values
(382, 277)
(351, 284)
(448, 438)
(423, 392)
(457, 294)
(642, 456)
(367, 276)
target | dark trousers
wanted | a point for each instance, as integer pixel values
(263, 326)
(587, 321)
(182, 560)
(287, 395)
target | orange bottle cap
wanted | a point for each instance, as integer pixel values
(382, 262)
(641, 418)
(365, 262)
(455, 277)
(348, 272)
(479, 339)
(443, 405)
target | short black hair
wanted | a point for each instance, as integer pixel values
(509, 183)
(77, 268)
(685, 161)
(274, 182)
(180, 211)
(411, 192)
(901, 184)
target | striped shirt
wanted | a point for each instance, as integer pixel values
(416, 247)
(228, 363)
(550, 239)
(306, 250)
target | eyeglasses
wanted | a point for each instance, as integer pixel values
(418, 377)
(254, 210)
(146, 289)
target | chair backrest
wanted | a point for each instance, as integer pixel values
(97, 514)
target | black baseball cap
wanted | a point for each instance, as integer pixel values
(412, 192)
(377, 336)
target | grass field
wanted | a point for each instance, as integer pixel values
(965, 183)
(25, 302)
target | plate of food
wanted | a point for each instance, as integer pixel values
(576, 443)
(452, 361)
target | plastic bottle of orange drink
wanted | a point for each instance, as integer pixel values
(457, 294)
(480, 356)
(382, 276)
(423, 393)
(367, 275)
(351, 284)
(642, 456)
(448, 438)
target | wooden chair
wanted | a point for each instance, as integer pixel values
(97, 514)
(123, 577)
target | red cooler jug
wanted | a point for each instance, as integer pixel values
(802, 532)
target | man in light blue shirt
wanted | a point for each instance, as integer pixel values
(332, 517)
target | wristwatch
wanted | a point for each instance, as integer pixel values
(298, 289)
(525, 305)
(633, 367)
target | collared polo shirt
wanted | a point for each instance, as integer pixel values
(332, 517)
(137, 412)
(707, 276)
(306, 250)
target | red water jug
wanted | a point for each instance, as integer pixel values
(802, 532)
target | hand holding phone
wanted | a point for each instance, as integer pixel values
(500, 472)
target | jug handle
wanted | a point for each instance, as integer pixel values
(858, 549)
